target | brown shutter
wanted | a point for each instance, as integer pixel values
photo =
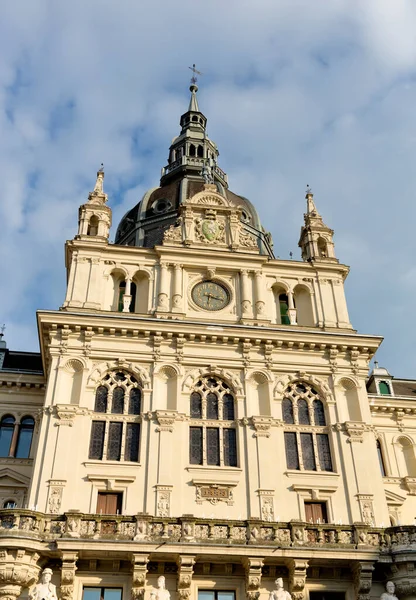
(101, 504)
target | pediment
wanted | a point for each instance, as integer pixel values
(394, 499)
(11, 478)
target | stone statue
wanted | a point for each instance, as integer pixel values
(161, 593)
(389, 593)
(45, 590)
(279, 593)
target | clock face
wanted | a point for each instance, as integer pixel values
(210, 295)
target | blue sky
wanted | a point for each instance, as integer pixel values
(295, 92)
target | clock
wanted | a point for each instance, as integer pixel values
(210, 295)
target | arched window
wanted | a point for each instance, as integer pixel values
(24, 439)
(201, 151)
(381, 458)
(384, 388)
(10, 504)
(192, 150)
(118, 394)
(212, 434)
(93, 226)
(7, 425)
(308, 449)
(122, 293)
(322, 248)
(284, 309)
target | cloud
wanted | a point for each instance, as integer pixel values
(295, 92)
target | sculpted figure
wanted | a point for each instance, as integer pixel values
(45, 590)
(161, 593)
(279, 593)
(389, 593)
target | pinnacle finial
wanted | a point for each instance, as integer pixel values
(195, 72)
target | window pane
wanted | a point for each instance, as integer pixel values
(91, 594)
(101, 399)
(112, 594)
(228, 407)
(230, 447)
(384, 388)
(97, 440)
(114, 441)
(24, 442)
(226, 595)
(117, 407)
(212, 406)
(292, 455)
(196, 406)
(10, 504)
(195, 445)
(135, 401)
(132, 442)
(287, 409)
(324, 452)
(6, 434)
(319, 413)
(303, 412)
(213, 446)
(381, 459)
(206, 595)
(308, 455)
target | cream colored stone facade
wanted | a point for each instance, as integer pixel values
(241, 516)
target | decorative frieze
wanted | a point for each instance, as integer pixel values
(213, 493)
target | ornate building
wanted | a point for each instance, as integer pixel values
(199, 411)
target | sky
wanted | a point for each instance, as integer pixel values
(295, 92)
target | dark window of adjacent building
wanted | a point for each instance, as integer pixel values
(109, 503)
(315, 512)
(118, 394)
(308, 449)
(102, 593)
(16, 438)
(212, 433)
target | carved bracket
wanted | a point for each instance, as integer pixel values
(138, 588)
(253, 567)
(69, 566)
(363, 577)
(185, 571)
(297, 577)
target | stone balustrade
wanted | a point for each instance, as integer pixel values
(191, 530)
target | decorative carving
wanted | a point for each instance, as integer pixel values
(139, 563)
(262, 426)
(214, 493)
(66, 414)
(174, 233)
(163, 493)
(185, 572)
(165, 419)
(247, 240)
(18, 568)
(69, 566)
(363, 576)
(253, 567)
(266, 503)
(210, 230)
(367, 509)
(44, 590)
(297, 577)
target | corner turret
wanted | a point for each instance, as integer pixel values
(315, 240)
(94, 219)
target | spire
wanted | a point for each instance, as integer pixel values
(193, 102)
(97, 196)
(315, 237)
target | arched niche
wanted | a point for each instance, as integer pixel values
(322, 247)
(349, 392)
(303, 304)
(93, 226)
(70, 385)
(258, 398)
(141, 281)
(281, 304)
(114, 289)
(166, 388)
(406, 459)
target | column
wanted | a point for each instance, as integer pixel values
(93, 287)
(163, 296)
(177, 289)
(258, 287)
(246, 308)
(292, 309)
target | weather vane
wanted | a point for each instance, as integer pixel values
(195, 72)
(308, 189)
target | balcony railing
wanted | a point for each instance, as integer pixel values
(190, 530)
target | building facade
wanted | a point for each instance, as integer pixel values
(202, 410)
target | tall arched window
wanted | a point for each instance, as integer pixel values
(212, 434)
(384, 388)
(118, 394)
(381, 458)
(308, 447)
(16, 438)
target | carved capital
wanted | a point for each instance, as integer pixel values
(18, 569)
